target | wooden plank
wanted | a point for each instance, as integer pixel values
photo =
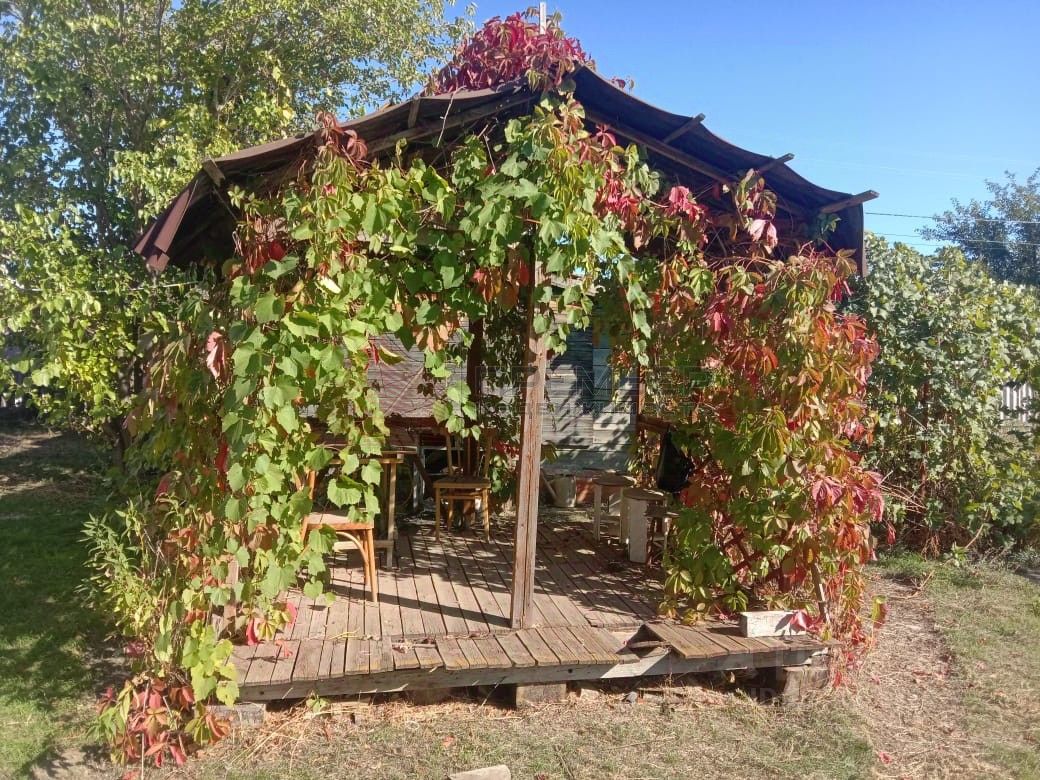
(604, 605)
(444, 588)
(490, 580)
(585, 635)
(451, 653)
(386, 655)
(536, 646)
(373, 619)
(530, 463)
(515, 650)
(471, 650)
(776, 162)
(283, 667)
(617, 648)
(408, 600)
(483, 612)
(558, 587)
(854, 200)
(690, 642)
(683, 129)
(389, 607)
(308, 661)
(265, 658)
(494, 656)
(562, 647)
(613, 573)
(429, 657)
(433, 621)
(242, 657)
(353, 662)
(334, 645)
(404, 655)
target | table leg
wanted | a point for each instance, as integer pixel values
(637, 529)
(597, 509)
(391, 508)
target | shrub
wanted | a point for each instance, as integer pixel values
(955, 467)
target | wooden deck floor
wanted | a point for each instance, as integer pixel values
(442, 620)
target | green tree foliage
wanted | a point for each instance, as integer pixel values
(951, 336)
(108, 108)
(1002, 233)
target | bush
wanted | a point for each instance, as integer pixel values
(951, 336)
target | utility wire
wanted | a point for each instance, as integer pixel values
(935, 218)
(957, 241)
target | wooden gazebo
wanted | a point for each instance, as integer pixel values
(587, 615)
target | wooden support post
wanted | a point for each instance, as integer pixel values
(521, 604)
(474, 365)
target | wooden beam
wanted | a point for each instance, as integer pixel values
(645, 422)
(774, 163)
(855, 200)
(684, 159)
(474, 364)
(654, 663)
(439, 126)
(683, 129)
(661, 148)
(213, 171)
(521, 608)
(413, 112)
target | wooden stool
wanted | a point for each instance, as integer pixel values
(599, 482)
(360, 535)
(661, 521)
(635, 502)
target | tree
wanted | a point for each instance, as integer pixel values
(1002, 233)
(951, 336)
(106, 110)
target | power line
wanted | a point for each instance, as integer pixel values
(957, 241)
(935, 218)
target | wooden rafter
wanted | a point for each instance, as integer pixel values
(683, 129)
(855, 200)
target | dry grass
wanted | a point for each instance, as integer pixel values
(667, 734)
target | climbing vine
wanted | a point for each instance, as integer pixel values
(272, 354)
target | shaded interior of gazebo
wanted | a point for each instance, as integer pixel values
(542, 600)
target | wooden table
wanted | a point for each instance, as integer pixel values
(635, 504)
(390, 460)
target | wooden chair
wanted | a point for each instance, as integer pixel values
(457, 486)
(359, 535)
(601, 515)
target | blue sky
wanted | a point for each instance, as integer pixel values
(918, 100)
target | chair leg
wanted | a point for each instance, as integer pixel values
(370, 538)
(485, 499)
(449, 518)
(436, 513)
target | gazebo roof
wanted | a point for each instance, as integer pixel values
(198, 219)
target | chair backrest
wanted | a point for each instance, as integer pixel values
(456, 450)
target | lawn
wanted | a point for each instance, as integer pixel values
(953, 686)
(49, 642)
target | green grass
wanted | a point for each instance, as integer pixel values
(991, 619)
(47, 683)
